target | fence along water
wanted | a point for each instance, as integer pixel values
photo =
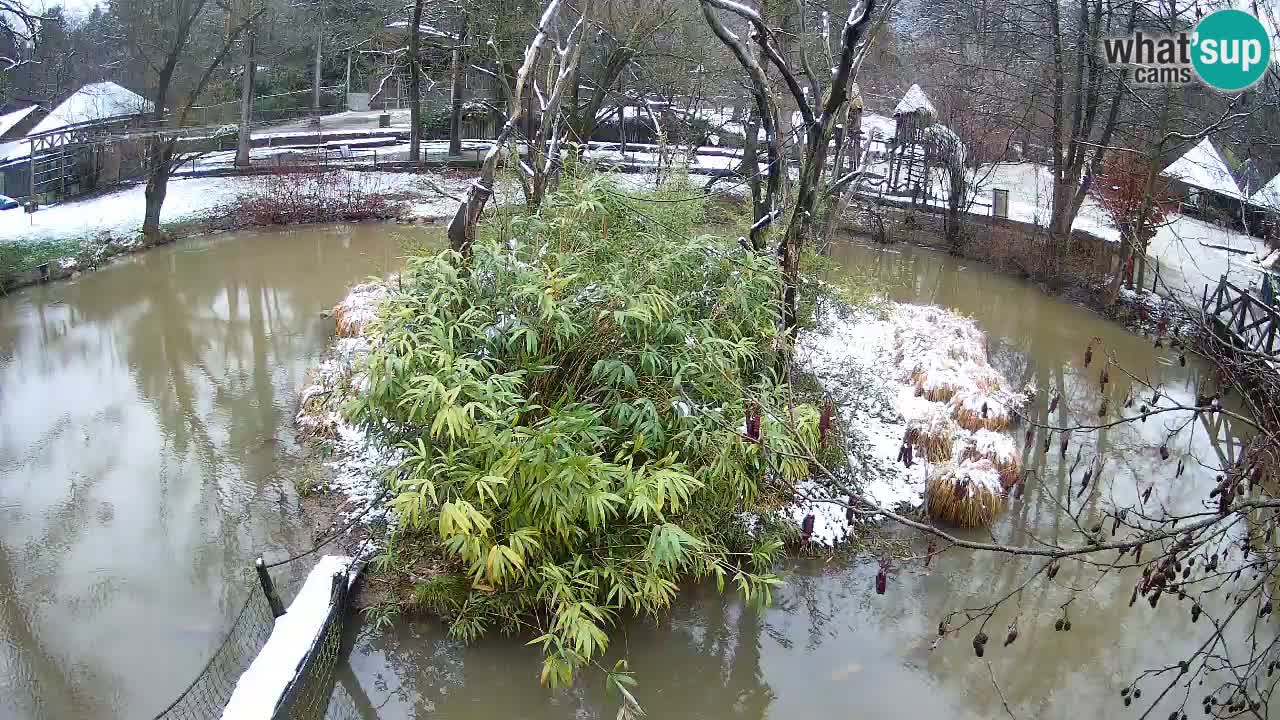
(311, 683)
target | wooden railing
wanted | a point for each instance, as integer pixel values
(1252, 323)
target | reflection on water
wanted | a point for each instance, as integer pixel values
(829, 646)
(145, 448)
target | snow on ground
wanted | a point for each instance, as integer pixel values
(260, 687)
(119, 213)
(337, 150)
(349, 120)
(1190, 251)
(867, 362)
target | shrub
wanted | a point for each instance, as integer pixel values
(306, 193)
(574, 403)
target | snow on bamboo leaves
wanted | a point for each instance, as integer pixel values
(582, 416)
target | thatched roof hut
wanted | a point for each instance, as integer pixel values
(914, 113)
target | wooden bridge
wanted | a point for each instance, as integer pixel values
(1244, 320)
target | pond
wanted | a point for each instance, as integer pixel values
(829, 646)
(147, 456)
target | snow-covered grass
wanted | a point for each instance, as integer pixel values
(360, 467)
(260, 687)
(67, 229)
(117, 213)
(874, 364)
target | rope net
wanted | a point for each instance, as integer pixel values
(311, 697)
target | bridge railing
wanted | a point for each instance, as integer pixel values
(1252, 323)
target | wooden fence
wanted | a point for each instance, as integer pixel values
(1251, 323)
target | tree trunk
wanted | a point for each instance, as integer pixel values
(415, 84)
(956, 194)
(315, 78)
(1140, 257)
(455, 91)
(1061, 218)
(808, 187)
(157, 187)
(751, 166)
(246, 102)
(1126, 249)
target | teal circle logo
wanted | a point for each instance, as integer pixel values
(1231, 50)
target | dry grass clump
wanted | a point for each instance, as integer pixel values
(976, 409)
(937, 382)
(966, 495)
(957, 410)
(934, 434)
(999, 450)
(314, 417)
(358, 309)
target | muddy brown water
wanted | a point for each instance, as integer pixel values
(146, 456)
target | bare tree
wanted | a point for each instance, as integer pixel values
(173, 41)
(248, 80)
(19, 27)
(544, 147)
(819, 115)
(457, 67)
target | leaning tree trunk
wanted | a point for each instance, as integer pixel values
(462, 228)
(415, 84)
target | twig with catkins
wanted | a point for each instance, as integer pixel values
(1088, 350)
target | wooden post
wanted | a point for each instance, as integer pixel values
(269, 589)
(339, 593)
(839, 153)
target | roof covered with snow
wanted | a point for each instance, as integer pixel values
(915, 101)
(1268, 195)
(425, 28)
(8, 120)
(1202, 167)
(96, 101)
